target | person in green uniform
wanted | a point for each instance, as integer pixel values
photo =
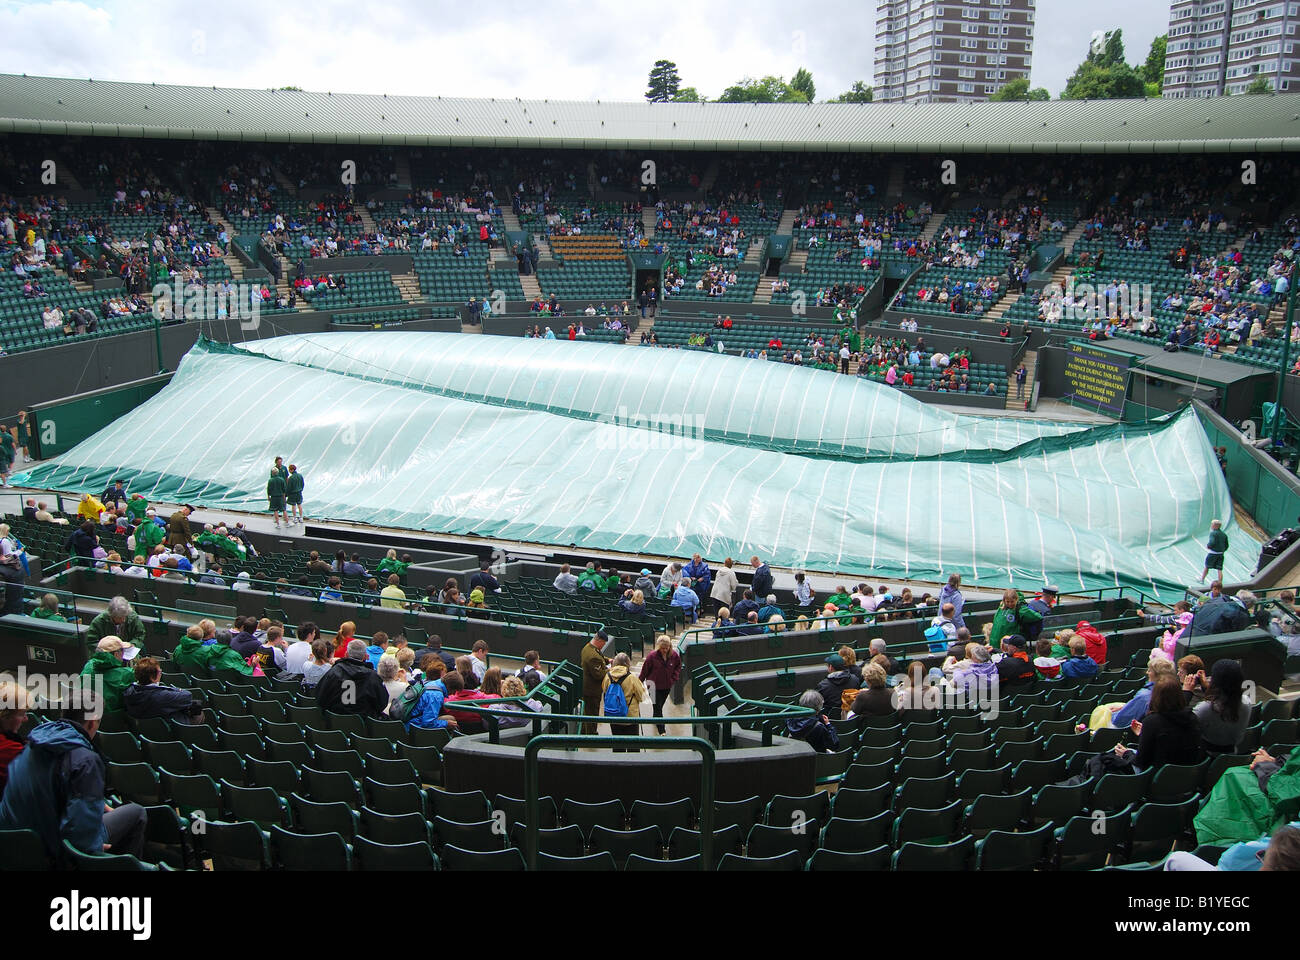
(293, 485)
(6, 455)
(25, 435)
(275, 496)
(1215, 548)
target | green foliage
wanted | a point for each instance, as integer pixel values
(1018, 89)
(802, 82)
(1153, 71)
(1259, 85)
(663, 82)
(858, 93)
(687, 95)
(768, 90)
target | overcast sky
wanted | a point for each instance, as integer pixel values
(584, 49)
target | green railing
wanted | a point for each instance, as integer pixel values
(274, 590)
(708, 781)
(493, 712)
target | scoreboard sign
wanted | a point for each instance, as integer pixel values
(1096, 378)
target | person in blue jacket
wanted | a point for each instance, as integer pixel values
(425, 713)
(762, 583)
(56, 789)
(687, 599)
(815, 730)
(700, 574)
(1079, 666)
(1136, 708)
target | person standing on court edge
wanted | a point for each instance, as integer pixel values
(1215, 547)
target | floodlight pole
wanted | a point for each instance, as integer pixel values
(1286, 358)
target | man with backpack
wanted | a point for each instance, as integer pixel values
(531, 673)
(420, 704)
(622, 695)
(837, 687)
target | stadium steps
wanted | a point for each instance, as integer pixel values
(532, 289)
(543, 249)
(367, 221)
(471, 327)
(932, 226)
(1005, 303)
(786, 227)
(402, 161)
(710, 175)
(764, 292)
(1031, 362)
(409, 285)
(648, 222)
(754, 254)
(799, 258)
(894, 188)
(1068, 241)
(510, 220)
(233, 262)
(283, 182)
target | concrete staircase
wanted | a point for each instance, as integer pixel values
(283, 182)
(798, 258)
(764, 292)
(710, 175)
(894, 188)
(648, 219)
(367, 221)
(786, 226)
(1072, 237)
(543, 248)
(532, 289)
(231, 260)
(754, 252)
(510, 220)
(932, 226)
(402, 162)
(1013, 403)
(1004, 303)
(409, 284)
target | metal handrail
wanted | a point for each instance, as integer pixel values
(532, 781)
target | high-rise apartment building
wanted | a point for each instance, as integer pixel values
(1219, 47)
(946, 50)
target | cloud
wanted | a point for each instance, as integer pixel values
(594, 49)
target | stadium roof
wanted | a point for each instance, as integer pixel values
(48, 105)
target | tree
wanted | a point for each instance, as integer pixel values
(802, 82)
(768, 90)
(1153, 71)
(1018, 89)
(1259, 85)
(664, 82)
(1103, 74)
(858, 93)
(687, 95)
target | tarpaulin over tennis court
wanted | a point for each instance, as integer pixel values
(1104, 506)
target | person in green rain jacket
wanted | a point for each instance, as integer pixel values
(200, 650)
(275, 493)
(293, 485)
(1011, 617)
(1250, 802)
(106, 664)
